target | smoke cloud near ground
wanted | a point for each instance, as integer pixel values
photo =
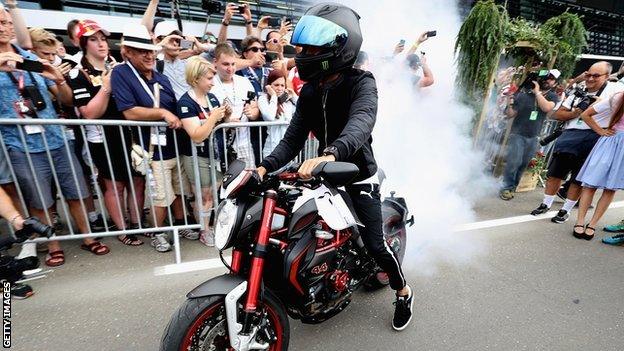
(422, 137)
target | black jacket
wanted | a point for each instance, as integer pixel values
(341, 114)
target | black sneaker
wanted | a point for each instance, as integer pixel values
(403, 311)
(561, 216)
(98, 224)
(21, 291)
(541, 209)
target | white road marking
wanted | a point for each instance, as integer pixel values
(193, 266)
(514, 220)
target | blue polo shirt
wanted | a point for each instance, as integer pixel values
(9, 94)
(128, 92)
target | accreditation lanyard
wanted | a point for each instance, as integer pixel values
(255, 76)
(158, 134)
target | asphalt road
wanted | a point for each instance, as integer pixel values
(534, 288)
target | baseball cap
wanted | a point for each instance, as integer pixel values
(555, 73)
(165, 28)
(86, 28)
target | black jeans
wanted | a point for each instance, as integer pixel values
(367, 204)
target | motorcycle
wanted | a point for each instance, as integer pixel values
(296, 251)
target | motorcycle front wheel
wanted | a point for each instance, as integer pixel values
(200, 324)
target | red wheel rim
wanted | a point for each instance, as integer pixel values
(273, 317)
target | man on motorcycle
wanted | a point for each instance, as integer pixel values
(339, 105)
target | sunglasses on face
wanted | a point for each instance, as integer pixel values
(143, 52)
(595, 75)
(256, 49)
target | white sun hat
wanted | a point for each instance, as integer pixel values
(165, 28)
(137, 36)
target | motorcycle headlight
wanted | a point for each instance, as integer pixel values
(227, 214)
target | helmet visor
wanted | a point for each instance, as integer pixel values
(317, 31)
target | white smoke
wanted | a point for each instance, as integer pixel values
(422, 138)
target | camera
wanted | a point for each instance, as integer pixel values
(11, 269)
(578, 97)
(212, 6)
(540, 77)
(554, 135)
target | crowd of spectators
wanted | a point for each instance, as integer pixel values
(586, 152)
(160, 74)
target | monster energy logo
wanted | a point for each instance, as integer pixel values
(325, 65)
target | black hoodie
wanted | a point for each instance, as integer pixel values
(340, 114)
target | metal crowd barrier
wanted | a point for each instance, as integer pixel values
(76, 172)
(309, 151)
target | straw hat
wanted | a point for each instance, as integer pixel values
(136, 36)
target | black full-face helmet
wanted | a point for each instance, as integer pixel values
(333, 28)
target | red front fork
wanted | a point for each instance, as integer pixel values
(257, 262)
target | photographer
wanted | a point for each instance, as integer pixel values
(15, 219)
(577, 139)
(528, 108)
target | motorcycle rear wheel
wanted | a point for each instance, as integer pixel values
(395, 235)
(200, 324)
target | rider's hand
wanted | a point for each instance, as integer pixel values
(261, 171)
(305, 171)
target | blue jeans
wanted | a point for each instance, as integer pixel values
(40, 177)
(520, 150)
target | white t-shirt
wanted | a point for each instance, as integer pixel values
(602, 117)
(606, 107)
(236, 92)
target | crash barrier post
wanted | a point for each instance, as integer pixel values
(109, 155)
(310, 149)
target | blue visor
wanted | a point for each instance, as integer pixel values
(317, 31)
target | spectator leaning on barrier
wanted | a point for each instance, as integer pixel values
(200, 112)
(234, 90)
(136, 86)
(45, 47)
(36, 183)
(577, 139)
(278, 104)
(92, 96)
(528, 109)
(603, 168)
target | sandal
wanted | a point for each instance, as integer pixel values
(96, 248)
(578, 235)
(130, 240)
(589, 236)
(55, 258)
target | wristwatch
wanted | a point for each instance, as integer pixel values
(331, 150)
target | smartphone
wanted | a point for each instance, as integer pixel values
(186, 44)
(71, 62)
(432, 33)
(241, 9)
(275, 22)
(250, 96)
(30, 65)
(271, 56)
(402, 42)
